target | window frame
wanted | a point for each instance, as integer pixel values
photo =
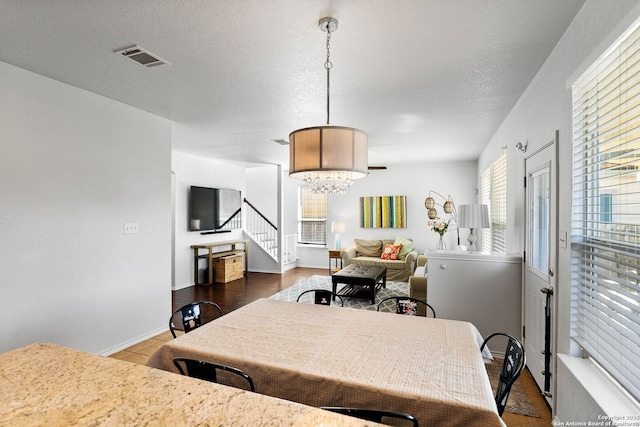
(493, 193)
(605, 233)
(312, 215)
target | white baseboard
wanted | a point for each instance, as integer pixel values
(134, 341)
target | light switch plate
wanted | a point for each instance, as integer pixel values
(563, 239)
(131, 228)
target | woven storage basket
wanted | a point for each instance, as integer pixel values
(227, 268)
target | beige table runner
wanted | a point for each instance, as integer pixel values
(49, 385)
(334, 356)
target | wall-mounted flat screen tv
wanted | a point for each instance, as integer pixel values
(214, 209)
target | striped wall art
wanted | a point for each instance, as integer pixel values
(383, 212)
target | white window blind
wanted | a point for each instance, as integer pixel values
(605, 283)
(494, 194)
(312, 217)
(485, 199)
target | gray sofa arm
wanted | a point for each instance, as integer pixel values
(347, 255)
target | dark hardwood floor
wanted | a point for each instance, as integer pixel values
(232, 295)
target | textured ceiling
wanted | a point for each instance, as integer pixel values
(426, 79)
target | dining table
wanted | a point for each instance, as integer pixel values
(45, 384)
(336, 356)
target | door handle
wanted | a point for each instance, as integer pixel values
(548, 290)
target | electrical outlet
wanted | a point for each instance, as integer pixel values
(131, 228)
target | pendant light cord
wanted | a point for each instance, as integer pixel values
(327, 65)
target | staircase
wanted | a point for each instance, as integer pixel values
(261, 230)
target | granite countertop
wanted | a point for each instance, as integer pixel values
(46, 384)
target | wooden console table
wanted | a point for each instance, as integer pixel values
(211, 255)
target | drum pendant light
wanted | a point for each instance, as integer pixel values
(328, 158)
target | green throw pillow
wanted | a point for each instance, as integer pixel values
(407, 246)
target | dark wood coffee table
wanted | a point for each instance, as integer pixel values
(362, 281)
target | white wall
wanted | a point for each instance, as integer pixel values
(192, 170)
(544, 107)
(74, 168)
(262, 190)
(263, 193)
(412, 180)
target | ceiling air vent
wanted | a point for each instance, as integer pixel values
(141, 56)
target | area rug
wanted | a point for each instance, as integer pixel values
(518, 403)
(324, 282)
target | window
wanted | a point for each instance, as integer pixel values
(312, 217)
(605, 207)
(494, 194)
(605, 281)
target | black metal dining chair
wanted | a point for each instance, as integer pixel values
(322, 296)
(407, 305)
(211, 372)
(193, 315)
(514, 363)
(375, 415)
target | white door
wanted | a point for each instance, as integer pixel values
(540, 256)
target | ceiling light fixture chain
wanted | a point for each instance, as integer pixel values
(327, 65)
(328, 158)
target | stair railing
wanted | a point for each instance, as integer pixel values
(261, 230)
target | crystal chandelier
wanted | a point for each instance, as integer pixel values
(328, 182)
(328, 158)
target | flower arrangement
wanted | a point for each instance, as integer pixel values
(439, 226)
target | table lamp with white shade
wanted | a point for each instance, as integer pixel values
(338, 228)
(471, 217)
